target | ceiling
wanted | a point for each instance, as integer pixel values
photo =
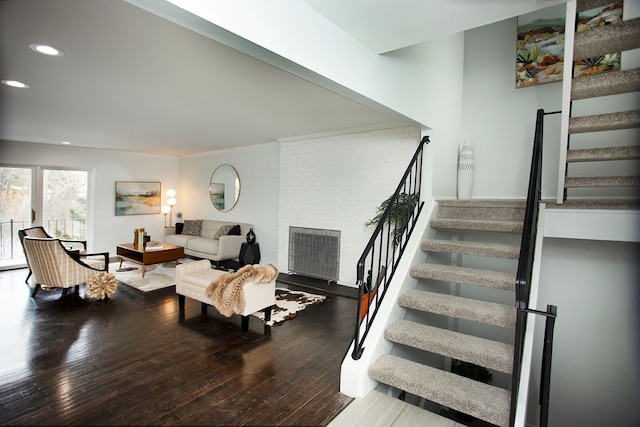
(386, 25)
(130, 80)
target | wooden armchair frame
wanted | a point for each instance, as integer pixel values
(39, 231)
(54, 266)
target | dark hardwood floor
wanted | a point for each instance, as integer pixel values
(132, 361)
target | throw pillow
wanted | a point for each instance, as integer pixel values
(192, 227)
(179, 227)
(235, 231)
(226, 230)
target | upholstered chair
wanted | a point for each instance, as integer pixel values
(39, 231)
(53, 266)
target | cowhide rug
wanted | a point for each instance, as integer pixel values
(288, 304)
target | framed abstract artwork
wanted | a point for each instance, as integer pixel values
(137, 198)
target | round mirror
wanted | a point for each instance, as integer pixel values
(224, 188)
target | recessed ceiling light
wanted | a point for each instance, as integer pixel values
(65, 142)
(15, 83)
(46, 49)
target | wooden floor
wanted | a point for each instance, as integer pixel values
(132, 361)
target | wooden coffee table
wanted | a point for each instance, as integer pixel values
(168, 253)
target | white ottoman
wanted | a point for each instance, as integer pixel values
(193, 278)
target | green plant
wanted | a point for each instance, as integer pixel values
(399, 215)
(469, 370)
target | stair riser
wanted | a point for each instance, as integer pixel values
(605, 84)
(604, 122)
(436, 246)
(480, 400)
(486, 213)
(477, 226)
(444, 305)
(490, 354)
(600, 182)
(603, 154)
(607, 39)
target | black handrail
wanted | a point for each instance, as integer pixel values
(527, 250)
(386, 246)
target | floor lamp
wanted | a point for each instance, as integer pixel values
(171, 201)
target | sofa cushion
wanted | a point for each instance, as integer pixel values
(228, 230)
(201, 244)
(192, 227)
(178, 239)
(210, 228)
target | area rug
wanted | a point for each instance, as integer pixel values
(288, 304)
(157, 276)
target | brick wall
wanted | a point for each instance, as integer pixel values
(336, 183)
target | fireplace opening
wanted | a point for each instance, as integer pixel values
(314, 252)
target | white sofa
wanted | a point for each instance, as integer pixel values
(206, 245)
(193, 278)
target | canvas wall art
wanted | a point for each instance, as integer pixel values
(137, 198)
(540, 47)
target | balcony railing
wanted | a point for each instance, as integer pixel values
(10, 247)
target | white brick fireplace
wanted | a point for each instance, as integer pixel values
(336, 183)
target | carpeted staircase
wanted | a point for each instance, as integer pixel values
(466, 229)
(625, 150)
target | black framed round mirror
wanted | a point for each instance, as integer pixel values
(224, 188)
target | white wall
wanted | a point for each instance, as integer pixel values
(336, 183)
(500, 120)
(437, 91)
(105, 229)
(595, 372)
(258, 168)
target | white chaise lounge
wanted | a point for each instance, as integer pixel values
(193, 278)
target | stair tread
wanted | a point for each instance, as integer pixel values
(603, 154)
(604, 84)
(494, 250)
(477, 225)
(463, 308)
(604, 122)
(480, 351)
(584, 5)
(481, 400)
(607, 39)
(602, 181)
(613, 204)
(468, 276)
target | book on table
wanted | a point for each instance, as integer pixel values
(153, 245)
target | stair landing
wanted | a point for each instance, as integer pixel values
(378, 409)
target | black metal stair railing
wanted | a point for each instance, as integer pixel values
(523, 279)
(386, 246)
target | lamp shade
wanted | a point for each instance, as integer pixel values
(171, 201)
(165, 209)
(171, 193)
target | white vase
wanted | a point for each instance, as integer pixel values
(465, 170)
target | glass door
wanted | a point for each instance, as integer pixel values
(16, 196)
(64, 203)
(30, 196)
